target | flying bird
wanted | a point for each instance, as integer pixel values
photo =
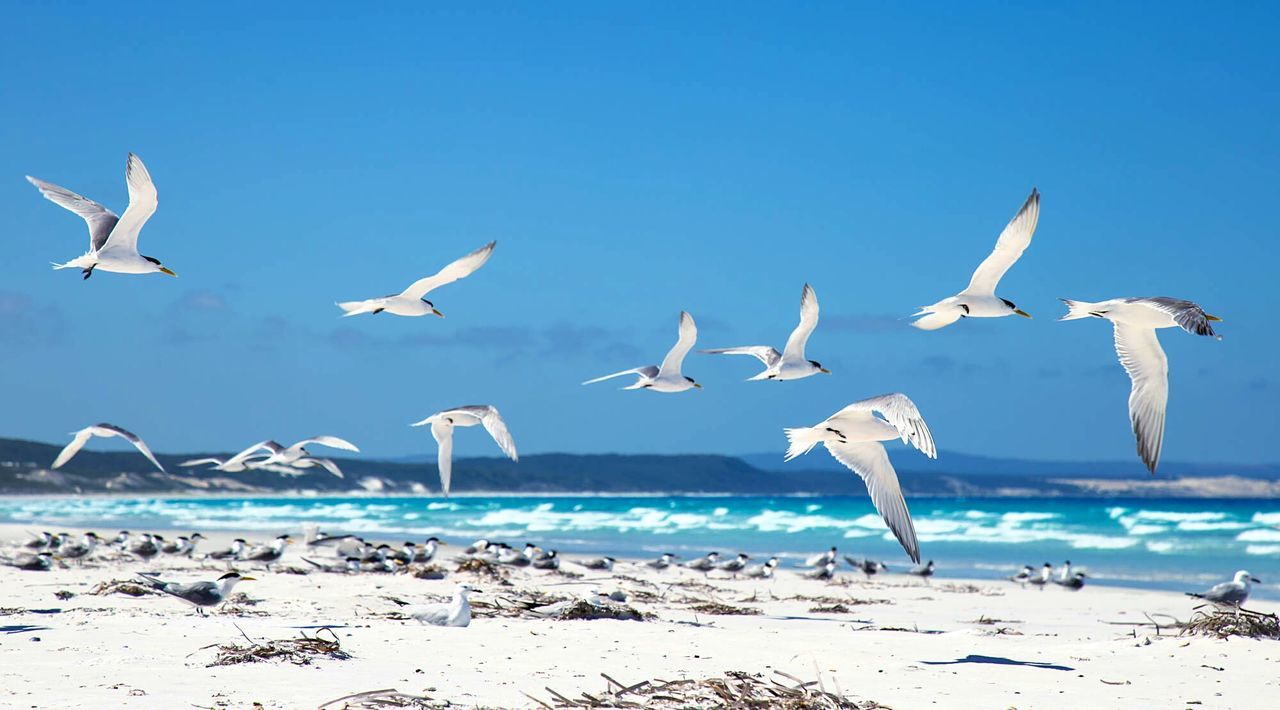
(666, 378)
(443, 423)
(853, 435)
(1233, 593)
(113, 241)
(979, 299)
(412, 301)
(105, 431)
(277, 454)
(1136, 321)
(790, 364)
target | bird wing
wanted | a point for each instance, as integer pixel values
(332, 442)
(328, 465)
(901, 413)
(1148, 368)
(497, 428)
(1012, 242)
(649, 371)
(142, 204)
(201, 462)
(105, 430)
(1191, 317)
(81, 438)
(442, 432)
(100, 219)
(764, 353)
(869, 460)
(688, 335)
(436, 614)
(794, 350)
(268, 445)
(459, 269)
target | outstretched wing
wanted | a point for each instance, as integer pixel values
(688, 336)
(1190, 316)
(649, 371)
(201, 462)
(100, 219)
(332, 442)
(268, 445)
(459, 269)
(81, 438)
(901, 413)
(794, 350)
(497, 428)
(764, 353)
(442, 432)
(328, 465)
(1012, 242)
(869, 460)
(1148, 368)
(142, 204)
(105, 430)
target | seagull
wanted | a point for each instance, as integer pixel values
(703, 564)
(454, 613)
(604, 563)
(412, 301)
(663, 562)
(925, 571)
(790, 364)
(853, 435)
(443, 423)
(826, 571)
(666, 378)
(198, 594)
(1136, 321)
(103, 430)
(979, 299)
(113, 241)
(764, 571)
(1233, 593)
(39, 562)
(822, 558)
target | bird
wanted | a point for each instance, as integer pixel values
(826, 571)
(790, 364)
(550, 560)
(103, 430)
(454, 613)
(293, 454)
(1233, 593)
(703, 564)
(603, 563)
(38, 562)
(184, 545)
(226, 465)
(147, 546)
(1135, 322)
(443, 423)
(79, 550)
(412, 301)
(763, 571)
(113, 241)
(853, 435)
(821, 558)
(518, 558)
(1074, 581)
(1024, 575)
(663, 562)
(925, 571)
(427, 551)
(1046, 573)
(979, 299)
(230, 553)
(38, 542)
(867, 565)
(735, 565)
(268, 553)
(198, 594)
(667, 377)
(477, 547)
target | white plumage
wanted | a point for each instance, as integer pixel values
(443, 423)
(667, 377)
(412, 301)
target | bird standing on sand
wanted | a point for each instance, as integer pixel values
(735, 565)
(198, 594)
(1233, 593)
(666, 560)
(38, 542)
(925, 570)
(103, 430)
(703, 564)
(600, 563)
(979, 299)
(853, 435)
(791, 363)
(764, 571)
(39, 562)
(230, 553)
(412, 301)
(113, 241)
(1136, 321)
(821, 558)
(146, 547)
(443, 424)
(826, 571)
(455, 613)
(549, 560)
(269, 553)
(1046, 572)
(79, 550)
(667, 377)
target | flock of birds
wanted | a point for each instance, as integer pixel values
(853, 435)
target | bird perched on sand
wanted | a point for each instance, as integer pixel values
(925, 570)
(866, 565)
(826, 571)
(79, 550)
(1136, 321)
(1073, 581)
(979, 299)
(443, 424)
(821, 558)
(103, 430)
(455, 613)
(853, 435)
(1046, 573)
(548, 560)
(764, 571)
(198, 594)
(147, 546)
(1233, 593)
(233, 552)
(412, 301)
(705, 563)
(666, 377)
(664, 561)
(600, 563)
(791, 363)
(38, 542)
(735, 565)
(1024, 575)
(268, 554)
(39, 562)
(113, 241)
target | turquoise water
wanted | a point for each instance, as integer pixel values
(1167, 544)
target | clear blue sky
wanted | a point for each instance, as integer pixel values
(633, 162)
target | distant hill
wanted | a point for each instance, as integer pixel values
(24, 471)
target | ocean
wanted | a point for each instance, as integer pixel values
(1174, 544)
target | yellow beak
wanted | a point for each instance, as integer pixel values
(165, 270)
(697, 385)
(1215, 319)
(438, 313)
(248, 579)
(824, 370)
(1022, 313)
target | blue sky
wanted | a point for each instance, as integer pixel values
(633, 162)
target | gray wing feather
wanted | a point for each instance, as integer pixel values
(100, 219)
(1185, 313)
(869, 460)
(1148, 368)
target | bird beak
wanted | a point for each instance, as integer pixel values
(1256, 580)
(248, 579)
(477, 591)
(697, 385)
(824, 370)
(1215, 319)
(165, 270)
(438, 313)
(1022, 313)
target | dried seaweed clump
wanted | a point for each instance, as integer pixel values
(483, 568)
(718, 609)
(837, 608)
(585, 610)
(123, 586)
(1225, 623)
(733, 690)
(388, 698)
(300, 651)
(431, 571)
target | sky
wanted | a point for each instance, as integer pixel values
(633, 162)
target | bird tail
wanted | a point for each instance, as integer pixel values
(151, 580)
(937, 316)
(355, 308)
(802, 440)
(1078, 309)
(1193, 594)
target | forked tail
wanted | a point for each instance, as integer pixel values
(937, 316)
(1078, 309)
(802, 440)
(355, 308)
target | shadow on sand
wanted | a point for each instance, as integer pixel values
(999, 661)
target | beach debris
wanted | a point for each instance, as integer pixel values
(1225, 623)
(386, 698)
(718, 609)
(735, 689)
(123, 586)
(64, 594)
(991, 621)
(298, 651)
(484, 568)
(969, 589)
(432, 571)
(585, 610)
(837, 608)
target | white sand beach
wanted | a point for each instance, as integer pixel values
(893, 639)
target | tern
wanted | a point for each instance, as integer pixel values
(826, 571)
(663, 562)
(853, 435)
(113, 241)
(667, 377)
(1046, 573)
(821, 558)
(290, 455)
(547, 561)
(764, 571)
(39, 542)
(790, 364)
(1074, 582)
(735, 565)
(443, 424)
(105, 431)
(79, 550)
(925, 570)
(198, 594)
(1024, 575)
(39, 562)
(603, 563)
(269, 553)
(231, 553)
(455, 613)
(703, 564)
(1136, 321)
(979, 299)
(1233, 593)
(866, 565)
(147, 547)
(412, 301)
